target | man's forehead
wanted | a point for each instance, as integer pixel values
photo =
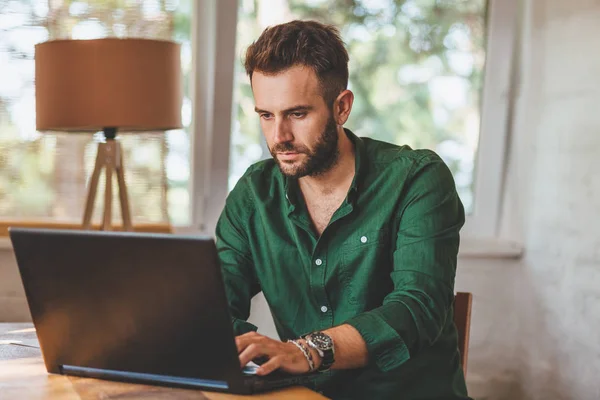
(293, 86)
(295, 72)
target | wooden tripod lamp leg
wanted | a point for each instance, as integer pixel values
(91, 197)
(109, 161)
(126, 215)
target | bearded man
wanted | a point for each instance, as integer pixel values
(352, 241)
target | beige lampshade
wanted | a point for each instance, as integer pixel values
(87, 85)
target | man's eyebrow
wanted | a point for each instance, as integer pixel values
(288, 110)
(298, 108)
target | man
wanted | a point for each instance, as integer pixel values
(352, 241)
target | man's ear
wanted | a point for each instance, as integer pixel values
(342, 106)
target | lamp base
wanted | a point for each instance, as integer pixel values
(109, 157)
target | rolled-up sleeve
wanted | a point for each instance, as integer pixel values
(237, 267)
(414, 314)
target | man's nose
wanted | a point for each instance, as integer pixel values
(281, 131)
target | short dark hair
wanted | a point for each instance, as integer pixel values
(308, 43)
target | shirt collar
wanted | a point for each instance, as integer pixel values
(291, 184)
(359, 157)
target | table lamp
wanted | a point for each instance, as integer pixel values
(108, 85)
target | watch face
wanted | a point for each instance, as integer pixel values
(322, 341)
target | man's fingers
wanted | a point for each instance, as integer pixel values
(244, 340)
(241, 343)
(252, 346)
(251, 352)
(269, 366)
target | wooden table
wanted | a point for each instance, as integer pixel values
(23, 376)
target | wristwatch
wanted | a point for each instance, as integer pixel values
(323, 344)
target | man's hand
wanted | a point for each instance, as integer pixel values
(285, 356)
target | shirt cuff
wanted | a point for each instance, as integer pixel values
(385, 346)
(240, 326)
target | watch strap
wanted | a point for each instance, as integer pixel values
(327, 356)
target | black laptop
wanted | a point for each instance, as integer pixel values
(136, 307)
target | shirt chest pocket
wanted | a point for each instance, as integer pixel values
(366, 262)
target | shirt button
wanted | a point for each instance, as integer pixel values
(318, 261)
(324, 308)
(363, 239)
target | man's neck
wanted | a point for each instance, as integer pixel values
(339, 178)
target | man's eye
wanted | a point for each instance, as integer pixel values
(265, 116)
(298, 114)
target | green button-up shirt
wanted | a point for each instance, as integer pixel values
(385, 264)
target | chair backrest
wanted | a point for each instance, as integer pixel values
(462, 320)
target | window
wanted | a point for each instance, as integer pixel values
(43, 175)
(426, 73)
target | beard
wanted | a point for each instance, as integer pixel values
(320, 159)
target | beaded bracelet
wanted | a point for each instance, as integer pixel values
(307, 355)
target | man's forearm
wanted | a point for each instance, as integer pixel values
(350, 348)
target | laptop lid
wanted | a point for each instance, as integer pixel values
(151, 304)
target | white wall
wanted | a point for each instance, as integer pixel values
(536, 321)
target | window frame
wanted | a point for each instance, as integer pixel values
(213, 42)
(491, 158)
(214, 28)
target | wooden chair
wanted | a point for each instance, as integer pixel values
(462, 320)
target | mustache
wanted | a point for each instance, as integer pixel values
(287, 147)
